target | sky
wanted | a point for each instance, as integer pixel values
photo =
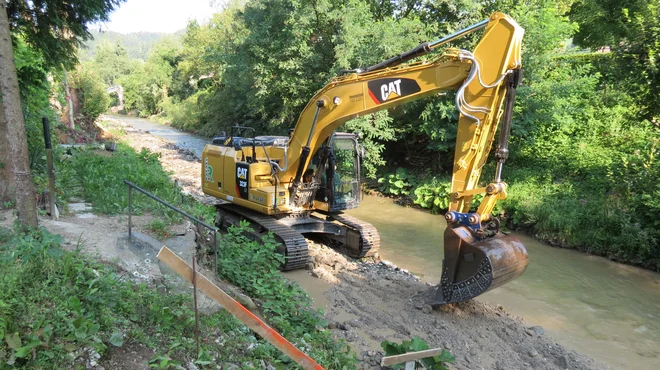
(159, 15)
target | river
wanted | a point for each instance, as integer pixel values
(604, 309)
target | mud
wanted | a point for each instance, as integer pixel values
(367, 302)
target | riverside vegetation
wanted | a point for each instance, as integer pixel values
(60, 307)
(582, 171)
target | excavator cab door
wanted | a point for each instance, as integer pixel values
(340, 185)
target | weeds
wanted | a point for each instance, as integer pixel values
(56, 304)
(253, 266)
(416, 345)
(100, 178)
(160, 228)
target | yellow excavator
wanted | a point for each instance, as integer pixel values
(300, 184)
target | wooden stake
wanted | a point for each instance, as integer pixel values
(243, 314)
(410, 357)
(54, 213)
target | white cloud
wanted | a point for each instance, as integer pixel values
(159, 15)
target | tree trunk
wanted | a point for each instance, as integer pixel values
(6, 186)
(15, 155)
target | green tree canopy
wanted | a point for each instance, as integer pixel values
(57, 28)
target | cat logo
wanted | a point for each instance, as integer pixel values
(387, 89)
(241, 173)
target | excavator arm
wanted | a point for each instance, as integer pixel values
(477, 256)
(480, 78)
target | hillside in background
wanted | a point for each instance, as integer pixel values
(137, 44)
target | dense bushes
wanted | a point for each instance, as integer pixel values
(58, 307)
(253, 266)
(100, 178)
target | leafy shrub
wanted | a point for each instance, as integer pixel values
(433, 195)
(184, 114)
(93, 98)
(53, 302)
(398, 183)
(416, 345)
(253, 266)
(100, 178)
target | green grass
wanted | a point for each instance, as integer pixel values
(98, 177)
(54, 302)
(253, 266)
(160, 228)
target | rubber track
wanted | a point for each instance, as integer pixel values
(297, 253)
(369, 237)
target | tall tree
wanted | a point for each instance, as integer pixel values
(14, 152)
(54, 28)
(631, 29)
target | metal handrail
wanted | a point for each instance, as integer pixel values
(197, 221)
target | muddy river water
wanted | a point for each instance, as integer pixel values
(606, 310)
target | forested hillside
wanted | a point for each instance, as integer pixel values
(136, 44)
(585, 134)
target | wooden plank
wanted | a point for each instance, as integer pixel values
(248, 318)
(410, 356)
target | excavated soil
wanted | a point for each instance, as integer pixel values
(367, 302)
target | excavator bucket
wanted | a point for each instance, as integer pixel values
(472, 267)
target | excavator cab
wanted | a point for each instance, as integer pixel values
(340, 179)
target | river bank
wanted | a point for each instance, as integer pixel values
(368, 302)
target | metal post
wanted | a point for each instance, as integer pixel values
(130, 211)
(215, 252)
(194, 282)
(54, 213)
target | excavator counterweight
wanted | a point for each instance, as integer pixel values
(299, 185)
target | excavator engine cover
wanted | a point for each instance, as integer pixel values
(472, 267)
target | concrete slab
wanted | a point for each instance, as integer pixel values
(80, 207)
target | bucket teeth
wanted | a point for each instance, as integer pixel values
(472, 267)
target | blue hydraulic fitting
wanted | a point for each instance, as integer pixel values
(471, 220)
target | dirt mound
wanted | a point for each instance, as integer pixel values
(373, 301)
